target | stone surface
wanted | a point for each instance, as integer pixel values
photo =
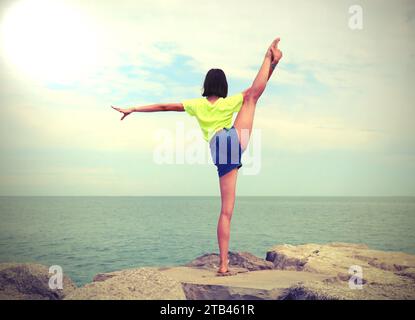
(384, 274)
(244, 260)
(202, 283)
(30, 281)
(130, 284)
(309, 271)
(322, 290)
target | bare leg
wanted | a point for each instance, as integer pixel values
(243, 125)
(244, 121)
(227, 192)
(245, 118)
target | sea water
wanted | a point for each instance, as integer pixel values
(88, 235)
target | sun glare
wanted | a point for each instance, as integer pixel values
(48, 40)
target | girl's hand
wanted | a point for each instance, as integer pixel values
(272, 45)
(125, 112)
(276, 53)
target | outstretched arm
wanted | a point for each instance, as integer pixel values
(271, 59)
(151, 108)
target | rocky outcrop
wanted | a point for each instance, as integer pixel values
(323, 290)
(202, 283)
(383, 275)
(132, 284)
(240, 260)
(196, 291)
(309, 271)
(28, 281)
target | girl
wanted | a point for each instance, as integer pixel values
(214, 113)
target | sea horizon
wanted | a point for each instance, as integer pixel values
(218, 196)
(87, 235)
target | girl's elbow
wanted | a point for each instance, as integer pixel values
(163, 107)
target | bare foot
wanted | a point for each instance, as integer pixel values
(223, 266)
(224, 270)
(226, 273)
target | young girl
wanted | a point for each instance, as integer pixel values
(214, 113)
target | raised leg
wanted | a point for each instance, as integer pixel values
(245, 118)
(244, 121)
(227, 191)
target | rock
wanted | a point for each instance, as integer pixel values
(301, 272)
(324, 290)
(215, 292)
(383, 273)
(311, 291)
(29, 281)
(243, 260)
(103, 276)
(202, 283)
(130, 284)
(408, 272)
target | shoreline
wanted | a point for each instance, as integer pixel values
(308, 271)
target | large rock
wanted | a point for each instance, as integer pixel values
(240, 260)
(28, 281)
(130, 284)
(309, 271)
(202, 283)
(196, 291)
(327, 290)
(384, 274)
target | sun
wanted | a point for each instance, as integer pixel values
(48, 40)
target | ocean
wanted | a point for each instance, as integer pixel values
(88, 235)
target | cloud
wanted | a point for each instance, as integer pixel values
(335, 89)
(296, 133)
(42, 126)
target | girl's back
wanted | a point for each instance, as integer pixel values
(213, 116)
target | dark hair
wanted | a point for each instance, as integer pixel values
(215, 84)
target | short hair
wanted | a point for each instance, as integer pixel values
(215, 84)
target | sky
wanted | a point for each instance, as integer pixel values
(336, 118)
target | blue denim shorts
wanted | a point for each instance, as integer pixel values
(225, 149)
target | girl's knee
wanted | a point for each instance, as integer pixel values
(227, 212)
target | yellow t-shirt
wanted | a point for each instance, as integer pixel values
(213, 117)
